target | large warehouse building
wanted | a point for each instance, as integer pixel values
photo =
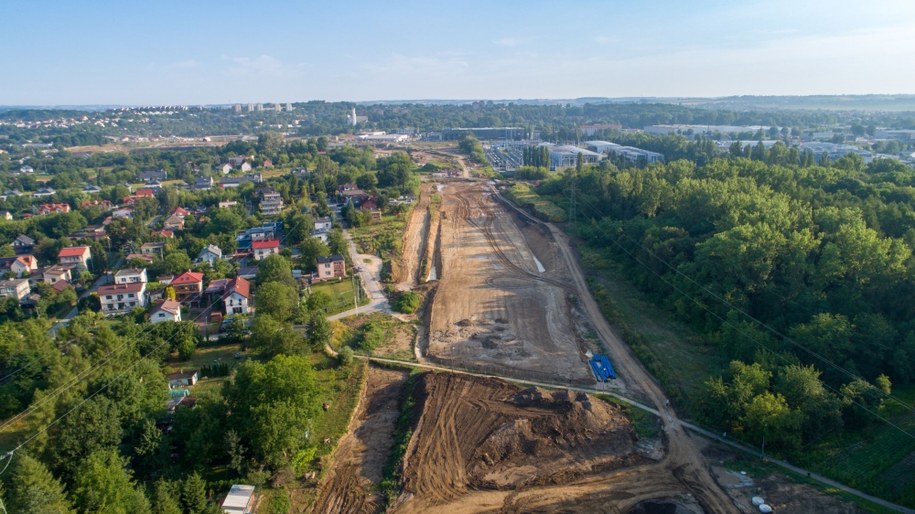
(566, 156)
(627, 153)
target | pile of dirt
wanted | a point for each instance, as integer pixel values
(477, 434)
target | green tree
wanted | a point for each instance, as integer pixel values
(275, 268)
(165, 497)
(104, 484)
(32, 488)
(319, 332)
(277, 299)
(769, 418)
(194, 494)
(311, 249)
(274, 404)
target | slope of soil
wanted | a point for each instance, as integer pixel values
(414, 244)
(349, 485)
(476, 435)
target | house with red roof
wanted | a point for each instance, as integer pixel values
(234, 293)
(188, 287)
(53, 208)
(263, 249)
(75, 257)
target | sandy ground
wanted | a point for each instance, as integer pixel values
(349, 485)
(496, 308)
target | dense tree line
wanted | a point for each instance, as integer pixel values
(821, 255)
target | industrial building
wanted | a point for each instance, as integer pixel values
(629, 154)
(834, 151)
(566, 156)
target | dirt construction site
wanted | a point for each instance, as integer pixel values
(506, 298)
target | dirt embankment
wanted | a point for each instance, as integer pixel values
(478, 442)
(414, 245)
(350, 484)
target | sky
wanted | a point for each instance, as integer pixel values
(176, 52)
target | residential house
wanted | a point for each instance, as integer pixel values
(181, 212)
(269, 230)
(154, 248)
(256, 177)
(121, 298)
(139, 257)
(26, 169)
(173, 222)
(226, 169)
(236, 161)
(263, 249)
(122, 213)
(167, 233)
(210, 254)
(333, 266)
(232, 182)
(23, 244)
(93, 232)
(10, 193)
(53, 208)
(21, 266)
(104, 205)
(203, 183)
(7, 215)
(153, 175)
(188, 287)
(91, 189)
(17, 288)
(130, 276)
(323, 224)
(267, 163)
(169, 310)
(227, 204)
(271, 201)
(44, 192)
(234, 293)
(55, 274)
(76, 257)
(183, 378)
(145, 192)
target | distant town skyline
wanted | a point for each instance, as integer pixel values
(171, 52)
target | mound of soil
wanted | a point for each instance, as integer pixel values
(486, 434)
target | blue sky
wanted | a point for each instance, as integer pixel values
(209, 51)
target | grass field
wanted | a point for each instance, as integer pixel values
(383, 239)
(341, 294)
(543, 208)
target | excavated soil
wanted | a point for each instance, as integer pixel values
(504, 302)
(414, 245)
(350, 484)
(478, 442)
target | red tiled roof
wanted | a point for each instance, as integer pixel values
(73, 251)
(149, 193)
(188, 277)
(267, 243)
(240, 286)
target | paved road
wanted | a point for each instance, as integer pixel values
(370, 274)
(677, 422)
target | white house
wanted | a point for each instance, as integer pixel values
(240, 500)
(130, 276)
(323, 224)
(169, 310)
(120, 298)
(75, 256)
(210, 254)
(17, 288)
(265, 248)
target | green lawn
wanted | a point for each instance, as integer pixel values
(341, 294)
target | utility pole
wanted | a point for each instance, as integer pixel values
(571, 198)
(355, 299)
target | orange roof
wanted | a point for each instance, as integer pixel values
(241, 286)
(267, 243)
(149, 193)
(188, 277)
(73, 251)
(169, 306)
